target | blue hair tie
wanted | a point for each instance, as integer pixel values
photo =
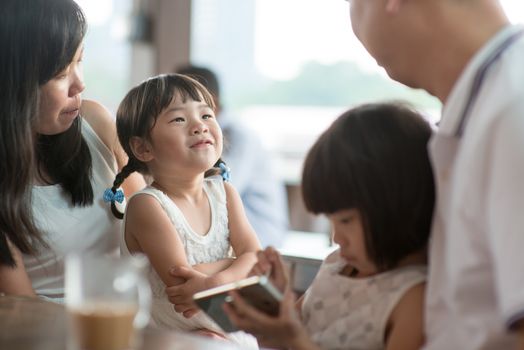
(109, 196)
(225, 172)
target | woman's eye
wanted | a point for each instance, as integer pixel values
(62, 75)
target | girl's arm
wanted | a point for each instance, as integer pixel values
(214, 267)
(245, 245)
(406, 324)
(150, 231)
(243, 240)
(14, 280)
(104, 126)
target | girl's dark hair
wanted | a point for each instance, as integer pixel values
(38, 39)
(138, 113)
(374, 158)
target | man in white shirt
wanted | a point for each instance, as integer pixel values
(467, 54)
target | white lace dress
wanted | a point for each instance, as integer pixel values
(199, 249)
(342, 312)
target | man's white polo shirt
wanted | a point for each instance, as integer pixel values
(476, 272)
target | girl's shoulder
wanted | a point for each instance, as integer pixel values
(217, 187)
(407, 318)
(147, 194)
(214, 180)
(147, 202)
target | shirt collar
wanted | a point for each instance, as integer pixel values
(452, 110)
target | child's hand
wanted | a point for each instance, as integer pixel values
(210, 334)
(181, 295)
(285, 330)
(270, 263)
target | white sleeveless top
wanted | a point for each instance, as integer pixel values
(342, 312)
(67, 228)
(199, 249)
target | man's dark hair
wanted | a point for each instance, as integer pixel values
(204, 76)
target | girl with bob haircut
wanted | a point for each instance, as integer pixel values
(370, 174)
(58, 152)
(189, 219)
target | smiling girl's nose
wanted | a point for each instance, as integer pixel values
(199, 128)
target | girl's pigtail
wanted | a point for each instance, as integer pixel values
(220, 168)
(225, 172)
(115, 193)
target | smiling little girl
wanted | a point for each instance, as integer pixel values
(187, 218)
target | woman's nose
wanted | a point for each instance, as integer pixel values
(77, 85)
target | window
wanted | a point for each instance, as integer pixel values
(290, 67)
(107, 53)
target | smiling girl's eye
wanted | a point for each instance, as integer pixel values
(177, 120)
(207, 116)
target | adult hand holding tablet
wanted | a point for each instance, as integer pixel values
(258, 291)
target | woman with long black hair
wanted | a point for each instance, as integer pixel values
(57, 152)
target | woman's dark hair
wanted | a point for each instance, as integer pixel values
(374, 159)
(138, 113)
(38, 39)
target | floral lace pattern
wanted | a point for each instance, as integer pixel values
(342, 312)
(213, 246)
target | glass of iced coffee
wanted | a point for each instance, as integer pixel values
(108, 301)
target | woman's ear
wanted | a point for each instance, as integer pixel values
(141, 149)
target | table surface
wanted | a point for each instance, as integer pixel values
(33, 323)
(307, 245)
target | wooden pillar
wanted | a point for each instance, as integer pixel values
(162, 37)
(172, 34)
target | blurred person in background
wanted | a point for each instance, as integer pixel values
(252, 173)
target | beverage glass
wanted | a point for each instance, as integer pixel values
(108, 301)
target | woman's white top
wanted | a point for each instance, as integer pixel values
(343, 312)
(67, 228)
(211, 247)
